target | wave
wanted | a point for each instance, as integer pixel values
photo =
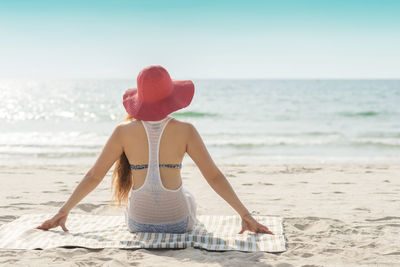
(55, 146)
(282, 148)
(380, 135)
(359, 114)
(268, 143)
(76, 154)
(304, 143)
(245, 141)
(272, 134)
(388, 143)
(193, 114)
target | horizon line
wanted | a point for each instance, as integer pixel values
(202, 78)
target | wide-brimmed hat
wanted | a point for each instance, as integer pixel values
(157, 95)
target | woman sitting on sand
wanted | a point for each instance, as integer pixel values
(156, 198)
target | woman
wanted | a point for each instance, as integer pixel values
(148, 151)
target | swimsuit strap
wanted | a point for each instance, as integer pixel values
(143, 166)
(138, 167)
(177, 166)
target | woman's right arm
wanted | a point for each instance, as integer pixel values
(217, 180)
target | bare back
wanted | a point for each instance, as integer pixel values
(173, 144)
(177, 139)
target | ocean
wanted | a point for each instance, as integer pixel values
(240, 121)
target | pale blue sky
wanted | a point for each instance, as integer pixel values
(200, 39)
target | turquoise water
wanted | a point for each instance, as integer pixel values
(241, 121)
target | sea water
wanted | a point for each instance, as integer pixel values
(240, 121)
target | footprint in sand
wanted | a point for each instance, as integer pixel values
(13, 197)
(88, 207)
(333, 250)
(53, 203)
(362, 209)
(284, 264)
(302, 227)
(393, 253)
(266, 183)
(14, 207)
(7, 218)
(23, 204)
(380, 227)
(387, 218)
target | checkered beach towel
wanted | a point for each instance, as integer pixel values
(215, 233)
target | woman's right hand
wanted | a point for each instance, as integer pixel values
(250, 224)
(58, 220)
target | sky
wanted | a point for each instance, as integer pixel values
(203, 39)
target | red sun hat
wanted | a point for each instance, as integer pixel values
(157, 95)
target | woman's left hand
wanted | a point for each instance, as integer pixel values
(58, 220)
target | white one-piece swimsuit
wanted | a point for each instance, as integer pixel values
(152, 207)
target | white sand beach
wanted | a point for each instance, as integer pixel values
(335, 214)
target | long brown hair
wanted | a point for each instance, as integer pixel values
(122, 177)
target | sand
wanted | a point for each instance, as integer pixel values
(335, 214)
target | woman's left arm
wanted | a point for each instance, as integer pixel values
(110, 153)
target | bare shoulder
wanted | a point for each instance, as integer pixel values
(182, 126)
(127, 127)
(179, 123)
(125, 124)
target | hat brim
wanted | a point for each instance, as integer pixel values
(181, 97)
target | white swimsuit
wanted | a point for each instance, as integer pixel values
(152, 207)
